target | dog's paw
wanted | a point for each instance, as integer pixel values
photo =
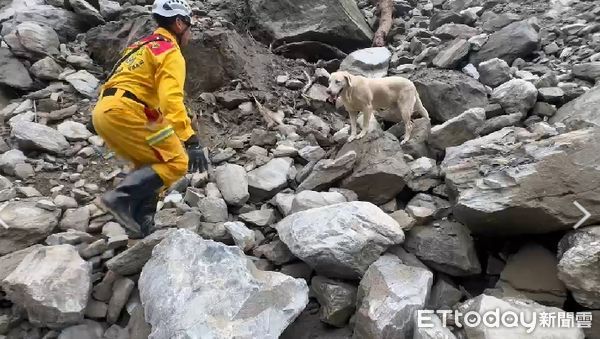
(351, 138)
(361, 135)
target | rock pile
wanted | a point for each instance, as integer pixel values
(295, 232)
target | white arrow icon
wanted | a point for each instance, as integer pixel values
(586, 215)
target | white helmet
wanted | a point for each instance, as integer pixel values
(171, 8)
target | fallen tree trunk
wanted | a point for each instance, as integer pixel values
(385, 9)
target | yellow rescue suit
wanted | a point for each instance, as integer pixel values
(141, 115)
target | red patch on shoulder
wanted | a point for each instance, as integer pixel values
(159, 47)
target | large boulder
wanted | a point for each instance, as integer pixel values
(517, 40)
(12, 72)
(341, 240)
(87, 12)
(306, 200)
(457, 130)
(33, 40)
(447, 94)
(369, 62)
(581, 112)
(32, 136)
(267, 180)
(337, 299)
(327, 172)
(232, 181)
(132, 260)
(196, 288)
(578, 269)
(532, 271)
(25, 224)
(445, 246)
(499, 312)
(389, 296)
(52, 284)
(515, 96)
(509, 182)
(380, 172)
(335, 22)
(66, 23)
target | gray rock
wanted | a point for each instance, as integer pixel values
(260, 218)
(577, 270)
(517, 40)
(444, 294)
(498, 123)
(587, 71)
(121, 291)
(441, 17)
(232, 181)
(94, 249)
(66, 23)
(84, 82)
(34, 136)
(581, 112)
(70, 237)
(87, 12)
(453, 54)
(76, 219)
(9, 262)
(33, 39)
(436, 331)
(110, 9)
(27, 225)
(89, 330)
(535, 183)
(552, 95)
(306, 200)
(494, 72)
(544, 109)
(215, 231)
(138, 327)
(243, 237)
(7, 189)
(337, 300)
(380, 172)
(447, 94)
(529, 310)
(455, 31)
(298, 270)
(46, 69)
(425, 208)
(312, 153)
(532, 271)
(12, 72)
(370, 62)
(386, 308)
(59, 275)
(327, 172)
(313, 236)
(10, 159)
(446, 246)
(266, 181)
(254, 304)
(213, 209)
(74, 131)
(336, 22)
(457, 130)
(516, 95)
(276, 251)
(135, 257)
(309, 326)
(96, 309)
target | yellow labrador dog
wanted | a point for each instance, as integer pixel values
(394, 98)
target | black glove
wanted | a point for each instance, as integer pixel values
(197, 159)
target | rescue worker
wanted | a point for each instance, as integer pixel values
(142, 117)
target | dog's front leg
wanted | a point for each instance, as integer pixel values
(367, 114)
(353, 116)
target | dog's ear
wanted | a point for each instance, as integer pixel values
(347, 77)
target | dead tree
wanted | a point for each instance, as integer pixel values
(385, 9)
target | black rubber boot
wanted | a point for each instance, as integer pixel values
(144, 214)
(123, 201)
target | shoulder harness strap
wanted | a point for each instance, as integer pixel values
(135, 49)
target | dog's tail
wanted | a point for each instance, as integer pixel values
(420, 108)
